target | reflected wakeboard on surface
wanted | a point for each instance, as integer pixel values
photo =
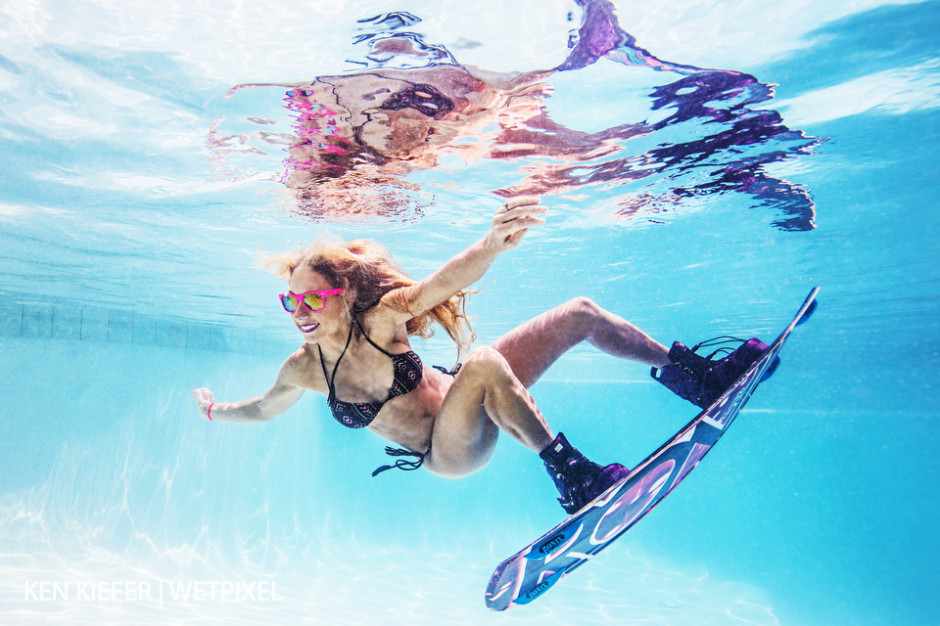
(532, 571)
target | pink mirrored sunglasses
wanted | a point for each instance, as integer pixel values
(315, 301)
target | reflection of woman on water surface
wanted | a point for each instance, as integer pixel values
(356, 310)
(412, 106)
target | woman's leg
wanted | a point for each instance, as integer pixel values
(532, 347)
(486, 397)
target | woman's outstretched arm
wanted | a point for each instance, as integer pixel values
(280, 397)
(510, 224)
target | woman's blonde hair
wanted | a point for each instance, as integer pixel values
(368, 269)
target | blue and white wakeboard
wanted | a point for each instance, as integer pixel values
(529, 573)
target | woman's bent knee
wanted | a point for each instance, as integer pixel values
(486, 362)
(583, 309)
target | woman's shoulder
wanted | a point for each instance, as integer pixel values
(297, 368)
(298, 363)
(381, 327)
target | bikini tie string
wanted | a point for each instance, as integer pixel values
(402, 464)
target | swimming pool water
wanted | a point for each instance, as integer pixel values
(127, 278)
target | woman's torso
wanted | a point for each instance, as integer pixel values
(367, 374)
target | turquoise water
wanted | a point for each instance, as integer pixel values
(135, 196)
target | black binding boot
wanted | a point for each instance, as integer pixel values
(702, 379)
(577, 479)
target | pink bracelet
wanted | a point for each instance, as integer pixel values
(209, 411)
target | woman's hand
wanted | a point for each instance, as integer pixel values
(204, 398)
(512, 222)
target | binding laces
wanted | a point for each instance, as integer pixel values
(723, 342)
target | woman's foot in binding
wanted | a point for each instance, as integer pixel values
(702, 379)
(577, 479)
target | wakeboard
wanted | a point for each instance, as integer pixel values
(535, 569)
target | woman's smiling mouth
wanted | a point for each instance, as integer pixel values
(308, 328)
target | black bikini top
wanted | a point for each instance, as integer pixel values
(408, 371)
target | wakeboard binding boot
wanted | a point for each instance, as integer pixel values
(577, 479)
(702, 379)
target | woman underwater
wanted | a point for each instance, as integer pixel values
(356, 310)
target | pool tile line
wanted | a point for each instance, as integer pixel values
(116, 326)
